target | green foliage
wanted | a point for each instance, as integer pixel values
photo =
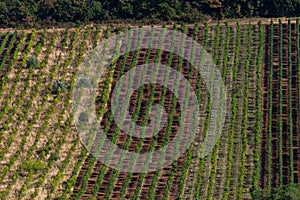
(245, 117)
(207, 119)
(32, 62)
(30, 13)
(58, 86)
(120, 29)
(83, 117)
(280, 8)
(287, 192)
(269, 152)
(54, 156)
(290, 102)
(83, 83)
(258, 124)
(33, 165)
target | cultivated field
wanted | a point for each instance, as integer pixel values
(41, 156)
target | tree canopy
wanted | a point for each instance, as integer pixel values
(32, 12)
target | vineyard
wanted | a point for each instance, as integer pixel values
(280, 146)
(42, 156)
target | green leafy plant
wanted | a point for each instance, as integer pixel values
(32, 62)
(58, 86)
(33, 165)
(84, 117)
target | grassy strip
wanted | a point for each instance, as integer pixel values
(280, 104)
(298, 59)
(245, 115)
(3, 43)
(290, 103)
(65, 39)
(97, 36)
(270, 109)
(258, 123)
(234, 111)
(207, 120)
(216, 147)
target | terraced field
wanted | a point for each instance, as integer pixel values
(42, 157)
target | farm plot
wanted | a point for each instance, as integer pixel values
(234, 49)
(104, 182)
(38, 138)
(42, 157)
(280, 141)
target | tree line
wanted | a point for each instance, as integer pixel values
(16, 13)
